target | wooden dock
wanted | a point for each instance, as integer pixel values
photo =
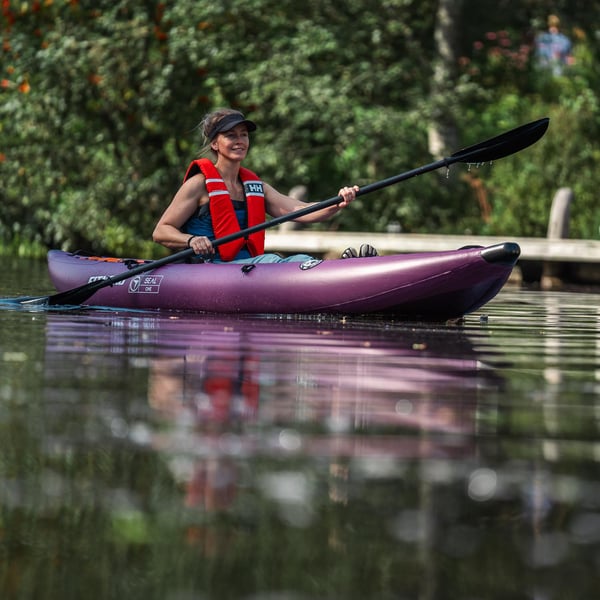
(333, 243)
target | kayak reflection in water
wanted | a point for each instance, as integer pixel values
(221, 198)
(234, 395)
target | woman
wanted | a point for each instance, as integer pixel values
(222, 198)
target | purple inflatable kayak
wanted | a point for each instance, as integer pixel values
(436, 285)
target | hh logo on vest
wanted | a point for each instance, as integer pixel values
(255, 187)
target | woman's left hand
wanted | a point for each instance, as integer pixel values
(348, 193)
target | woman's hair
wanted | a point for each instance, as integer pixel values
(208, 124)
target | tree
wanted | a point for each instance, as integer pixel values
(443, 134)
(120, 86)
(100, 103)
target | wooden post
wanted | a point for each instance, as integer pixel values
(558, 228)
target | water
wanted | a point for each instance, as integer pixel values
(147, 455)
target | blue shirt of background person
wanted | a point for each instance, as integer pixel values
(553, 48)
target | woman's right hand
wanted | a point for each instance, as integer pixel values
(200, 244)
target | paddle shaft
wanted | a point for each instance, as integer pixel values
(502, 145)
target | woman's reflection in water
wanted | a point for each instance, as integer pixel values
(207, 398)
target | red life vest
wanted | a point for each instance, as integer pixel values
(224, 219)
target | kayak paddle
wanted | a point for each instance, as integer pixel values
(497, 147)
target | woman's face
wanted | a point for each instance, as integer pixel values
(234, 143)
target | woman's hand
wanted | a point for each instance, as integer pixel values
(348, 193)
(201, 245)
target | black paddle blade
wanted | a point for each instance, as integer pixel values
(84, 292)
(72, 297)
(504, 144)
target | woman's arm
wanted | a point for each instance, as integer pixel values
(185, 203)
(278, 204)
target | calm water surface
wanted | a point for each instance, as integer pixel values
(171, 456)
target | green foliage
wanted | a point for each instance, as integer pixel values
(520, 188)
(100, 102)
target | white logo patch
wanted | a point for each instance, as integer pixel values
(309, 264)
